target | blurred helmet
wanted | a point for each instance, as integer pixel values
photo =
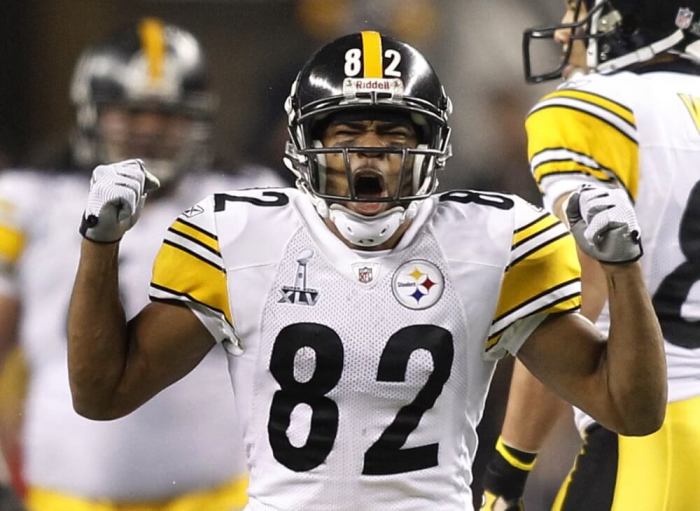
(621, 33)
(152, 67)
(370, 74)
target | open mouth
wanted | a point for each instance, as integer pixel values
(369, 184)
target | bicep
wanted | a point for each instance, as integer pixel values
(166, 342)
(566, 353)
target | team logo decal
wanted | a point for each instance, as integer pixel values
(365, 272)
(193, 211)
(418, 284)
(299, 293)
(684, 18)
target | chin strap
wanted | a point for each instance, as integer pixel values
(369, 231)
(641, 54)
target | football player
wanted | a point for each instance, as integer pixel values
(628, 121)
(363, 313)
(143, 92)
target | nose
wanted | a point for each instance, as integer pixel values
(370, 138)
(148, 124)
(563, 35)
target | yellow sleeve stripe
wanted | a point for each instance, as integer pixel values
(196, 235)
(184, 273)
(11, 244)
(608, 104)
(503, 450)
(549, 291)
(532, 248)
(534, 228)
(590, 140)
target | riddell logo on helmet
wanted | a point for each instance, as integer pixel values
(355, 85)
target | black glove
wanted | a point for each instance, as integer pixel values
(505, 477)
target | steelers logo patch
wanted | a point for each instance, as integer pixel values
(418, 284)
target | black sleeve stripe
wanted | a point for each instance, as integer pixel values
(195, 241)
(535, 249)
(604, 98)
(519, 229)
(197, 228)
(563, 148)
(534, 235)
(184, 295)
(608, 180)
(544, 307)
(569, 107)
(193, 254)
(538, 296)
(580, 172)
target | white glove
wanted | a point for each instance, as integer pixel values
(604, 224)
(117, 194)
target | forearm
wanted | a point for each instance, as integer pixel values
(532, 411)
(635, 361)
(97, 335)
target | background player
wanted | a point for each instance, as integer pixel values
(362, 312)
(632, 125)
(142, 92)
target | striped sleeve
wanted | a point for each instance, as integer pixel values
(577, 137)
(189, 268)
(542, 277)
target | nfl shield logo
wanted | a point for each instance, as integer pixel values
(684, 18)
(365, 275)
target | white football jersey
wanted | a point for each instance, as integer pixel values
(185, 438)
(361, 376)
(640, 132)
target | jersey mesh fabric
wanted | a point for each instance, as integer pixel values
(364, 318)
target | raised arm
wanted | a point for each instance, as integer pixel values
(534, 409)
(621, 383)
(115, 367)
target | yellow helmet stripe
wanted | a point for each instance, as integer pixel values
(372, 54)
(153, 44)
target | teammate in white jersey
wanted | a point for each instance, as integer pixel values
(362, 313)
(632, 125)
(142, 92)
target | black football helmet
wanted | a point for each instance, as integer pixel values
(152, 65)
(621, 33)
(368, 72)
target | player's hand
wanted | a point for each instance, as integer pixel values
(493, 502)
(604, 224)
(117, 194)
(505, 477)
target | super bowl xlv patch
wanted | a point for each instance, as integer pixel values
(418, 284)
(299, 293)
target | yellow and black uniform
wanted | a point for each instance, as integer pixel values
(334, 351)
(640, 132)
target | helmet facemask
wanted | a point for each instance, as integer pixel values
(614, 38)
(384, 182)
